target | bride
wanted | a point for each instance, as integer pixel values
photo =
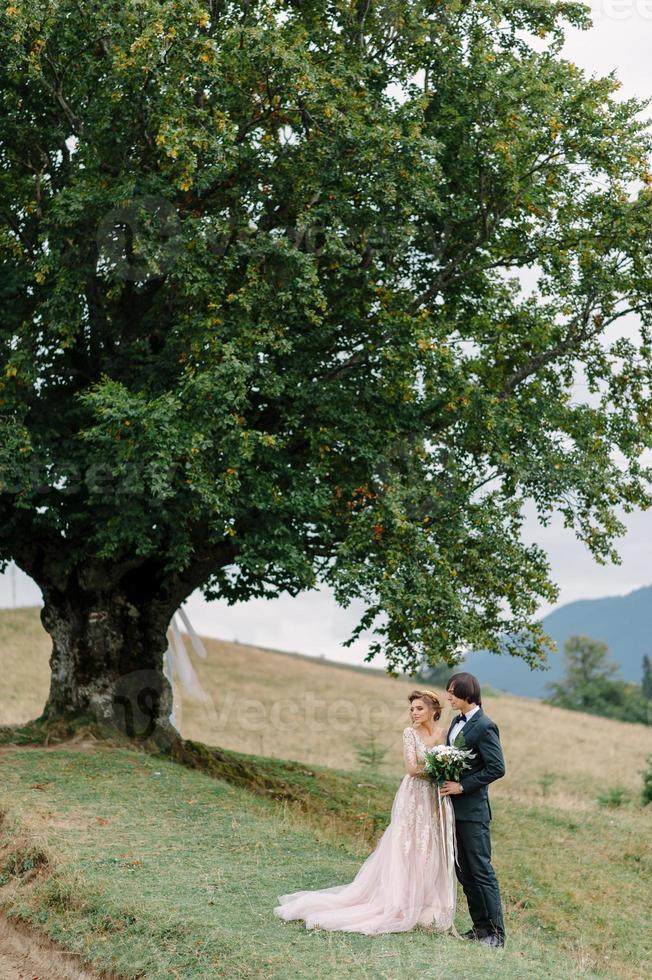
(409, 879)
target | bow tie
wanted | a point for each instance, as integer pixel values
(460, 718)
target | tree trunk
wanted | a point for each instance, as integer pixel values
(107, 660)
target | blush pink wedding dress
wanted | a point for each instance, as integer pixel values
(408, 880)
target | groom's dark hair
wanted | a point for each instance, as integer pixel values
(465, 686)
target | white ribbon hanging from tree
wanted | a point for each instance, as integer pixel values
(177, 663)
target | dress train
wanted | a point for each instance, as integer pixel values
(409, 878)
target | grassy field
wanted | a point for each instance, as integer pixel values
(154, 870)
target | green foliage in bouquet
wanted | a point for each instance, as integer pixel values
(447, 762)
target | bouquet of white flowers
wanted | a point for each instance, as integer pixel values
(447, 762)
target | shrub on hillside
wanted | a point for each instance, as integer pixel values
(613, 797)
(647, 782)
(371, 755)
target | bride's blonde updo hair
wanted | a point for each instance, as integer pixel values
(430, 698)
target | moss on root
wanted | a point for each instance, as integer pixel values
(52, 731)
(47, 730)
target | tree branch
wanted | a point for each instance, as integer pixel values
(540, 360)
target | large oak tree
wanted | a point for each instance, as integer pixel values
(262, 325)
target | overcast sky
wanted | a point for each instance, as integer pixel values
(313, 623)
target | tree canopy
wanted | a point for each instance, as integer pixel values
(262, 319)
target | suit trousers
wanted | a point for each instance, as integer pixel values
(477, 876)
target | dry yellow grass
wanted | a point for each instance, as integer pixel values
(24, 665)
(315, 711)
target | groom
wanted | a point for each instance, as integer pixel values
(472, 811)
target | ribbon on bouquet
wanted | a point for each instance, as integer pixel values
(448, 834)
(449, 843)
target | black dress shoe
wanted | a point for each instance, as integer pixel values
(471, 934)
(493, 939)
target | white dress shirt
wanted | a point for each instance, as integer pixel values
(460, 724)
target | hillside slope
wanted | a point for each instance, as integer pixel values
(143, 865)
(292, 707)
(148, 869)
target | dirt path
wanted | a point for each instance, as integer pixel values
(26, 955)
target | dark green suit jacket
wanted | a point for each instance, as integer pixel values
(482, 737)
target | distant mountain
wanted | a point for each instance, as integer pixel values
(624, 623)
